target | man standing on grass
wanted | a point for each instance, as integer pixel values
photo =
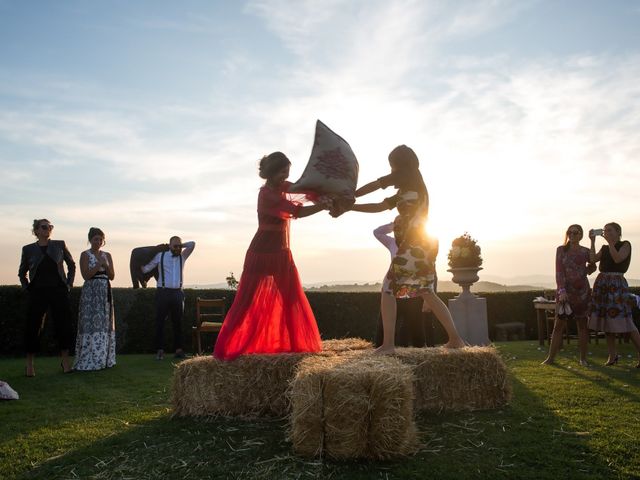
(169, 294)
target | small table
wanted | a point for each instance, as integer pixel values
(542, 307)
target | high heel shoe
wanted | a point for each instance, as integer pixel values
(612, 362)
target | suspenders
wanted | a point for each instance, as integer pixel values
(162, 269)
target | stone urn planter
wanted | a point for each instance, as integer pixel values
(469, 312)
(465, 277)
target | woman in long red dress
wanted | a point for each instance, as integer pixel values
(270, 313)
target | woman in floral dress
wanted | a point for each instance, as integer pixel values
(572, 267)
(96, 339)
(412, 270)
(611, 301)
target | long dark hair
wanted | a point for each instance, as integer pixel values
(566, 235)
(405, 162)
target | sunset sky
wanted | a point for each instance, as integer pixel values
(148, 118)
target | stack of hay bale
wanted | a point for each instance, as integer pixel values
(353, 406)
(345, 402)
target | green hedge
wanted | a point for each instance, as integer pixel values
(338, 315)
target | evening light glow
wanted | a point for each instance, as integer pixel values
(148, 118)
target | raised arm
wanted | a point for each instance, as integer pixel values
(368, 188)
(152, 264)
(188, 249)
(309, 210)
(593, 256)
(370, 207)
(622, 254)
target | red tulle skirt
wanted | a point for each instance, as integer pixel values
(270, 313)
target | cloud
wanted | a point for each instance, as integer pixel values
(512, 148)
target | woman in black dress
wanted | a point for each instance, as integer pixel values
(611, 302)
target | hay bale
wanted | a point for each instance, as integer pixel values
(353, 407)
(342, 345)
(249, 386)
(307, 407)
(470, 378)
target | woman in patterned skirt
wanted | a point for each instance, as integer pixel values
(611, 302)
(96, 339)
(572, 268)
(412, 270)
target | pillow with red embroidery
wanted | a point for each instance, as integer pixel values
(331, 175)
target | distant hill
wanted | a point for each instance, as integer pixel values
(443, 286)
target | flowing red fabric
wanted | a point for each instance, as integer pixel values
(270, 313)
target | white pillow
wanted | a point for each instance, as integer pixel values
(332, 172)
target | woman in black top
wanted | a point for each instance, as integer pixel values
(412, 270)
(42, 275)
(611, 303)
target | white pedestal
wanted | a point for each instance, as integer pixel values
(470, 318)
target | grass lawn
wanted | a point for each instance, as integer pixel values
(565, 421)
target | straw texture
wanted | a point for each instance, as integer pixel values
(251, 385)
(353, 407)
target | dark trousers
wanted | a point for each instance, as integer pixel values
(55, 300)
(169, 302)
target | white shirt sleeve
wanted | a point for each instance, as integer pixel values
(382, 235)
(188, 249)
(152, 264)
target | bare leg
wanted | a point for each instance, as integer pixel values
(611, 347)
(583, 340)
(556, 341)
(29, 369)
(443, 315)
(388, 309)
(66, 365)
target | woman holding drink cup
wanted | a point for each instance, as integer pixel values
(611, 302)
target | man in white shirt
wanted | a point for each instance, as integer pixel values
(169, 294)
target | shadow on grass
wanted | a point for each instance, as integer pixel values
(116, 424)
(525, 440)
(607, 376)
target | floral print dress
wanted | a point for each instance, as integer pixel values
(571, 278)
(413, 268)
(96, 339)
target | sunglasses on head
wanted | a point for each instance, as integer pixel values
(46, 227)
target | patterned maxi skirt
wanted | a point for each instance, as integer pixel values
(96, 339)
(611, 305)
